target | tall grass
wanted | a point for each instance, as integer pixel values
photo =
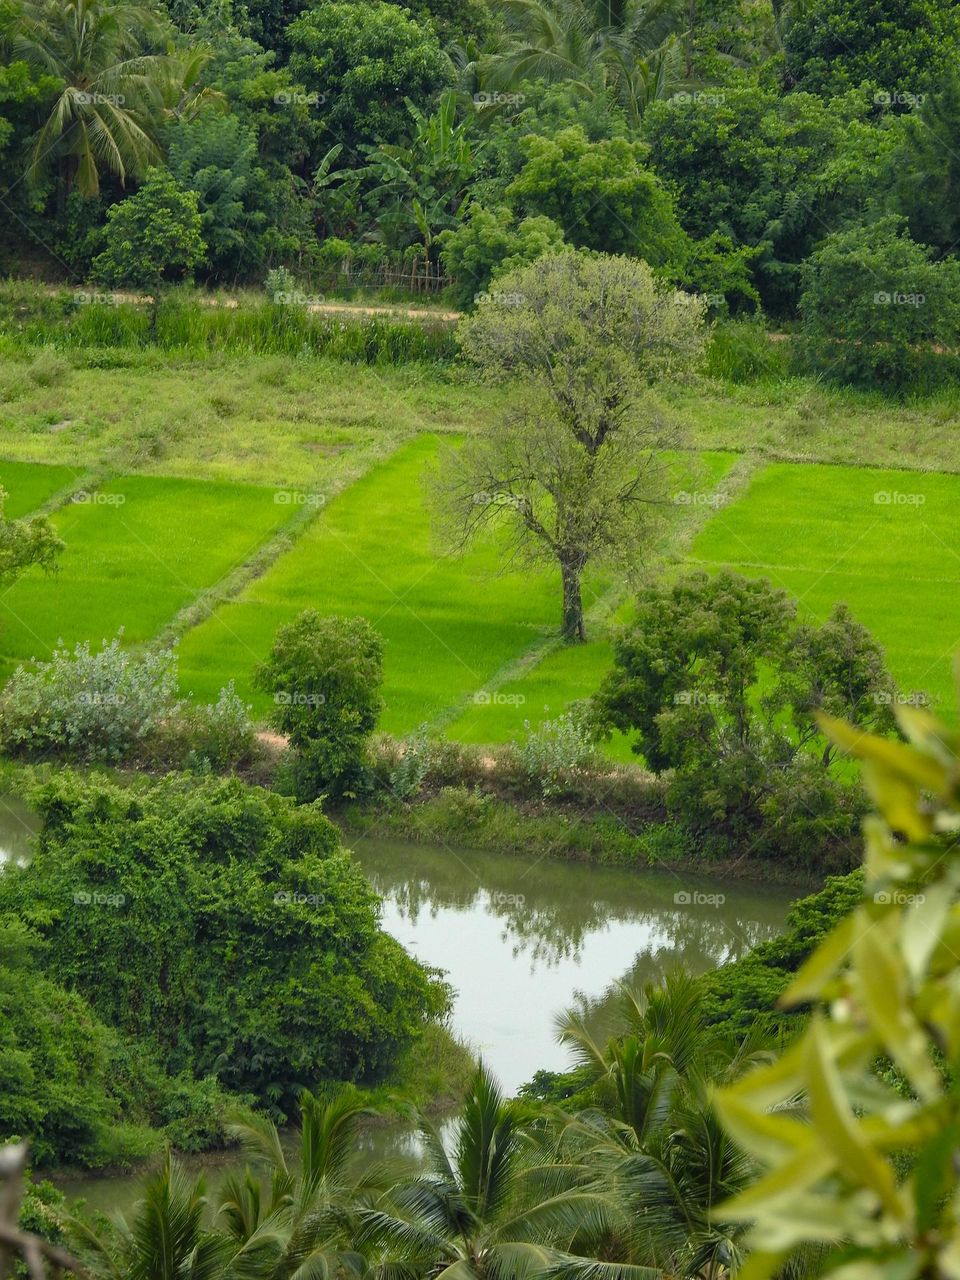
(190, 327)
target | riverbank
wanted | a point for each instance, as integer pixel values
(459, 815)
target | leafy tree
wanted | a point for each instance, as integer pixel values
(325, 675)
(241, 938)
(767, 172)
(153, 237)
(489, 243)
(215, 155)
(24, 543)
(874, 304)
(623, 49)
(573, 467)
(924, 169)
(896, 46)
(366, 60)
(600, 193)
(867, 1154)
(707, 676)
(107, 114)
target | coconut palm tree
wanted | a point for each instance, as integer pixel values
(115, 94)
(488, 1209)
(165, 1239)
(302, 1222)
(624, 46)
(653, 1138)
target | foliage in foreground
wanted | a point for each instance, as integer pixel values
(866, 1168)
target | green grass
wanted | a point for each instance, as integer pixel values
(817, 532)
(449, 623)
(29, 485)
(133, 558)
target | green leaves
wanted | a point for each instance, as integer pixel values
(887, 982)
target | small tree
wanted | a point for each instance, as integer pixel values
(574, 469)
(24, 543)
(153, 237)
(721, 685)
(325, 676)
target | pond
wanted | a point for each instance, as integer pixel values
(520, 940)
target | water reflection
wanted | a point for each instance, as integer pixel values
(522, 939)
(18, 825)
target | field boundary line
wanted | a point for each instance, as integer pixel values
(264, 556)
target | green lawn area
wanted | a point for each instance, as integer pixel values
(825, 533)
(448, 623)
(135, 555)
(28, 485)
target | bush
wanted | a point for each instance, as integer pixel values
(743, 351)
(558, 749)
(240, 938)
(215, 735)
(89, 706)
(489, 243)
(325, 676)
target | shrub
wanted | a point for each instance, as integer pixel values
(489, 243)
(215, 735)
(558, 749)
(240, 938)
(89, 706)
(325, 676)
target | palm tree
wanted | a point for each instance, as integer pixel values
(488, 1210)
(166, 1239)
(653, 1137)
(624, 47)
(301, 1225)
(115, 95)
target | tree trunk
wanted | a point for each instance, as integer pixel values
(573, 628)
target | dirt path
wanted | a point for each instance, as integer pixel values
(320, 305)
